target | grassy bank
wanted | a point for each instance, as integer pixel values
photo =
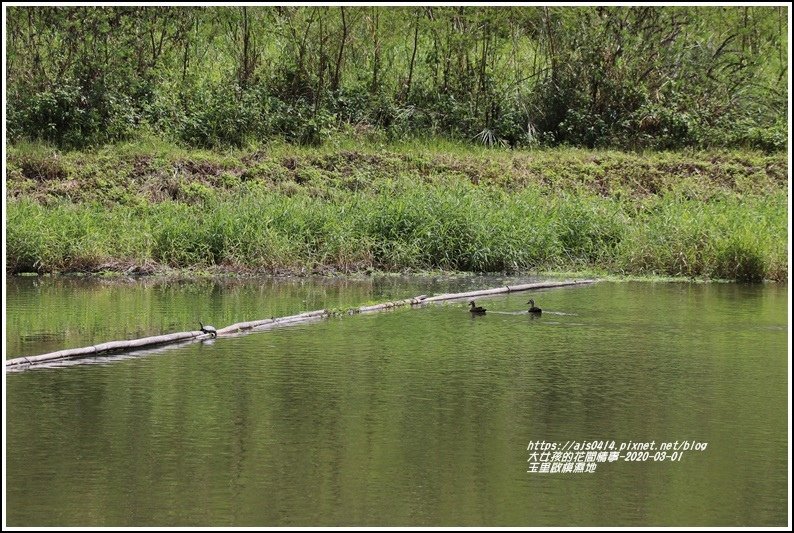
(349, 207)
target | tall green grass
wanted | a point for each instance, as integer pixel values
(743, 239)
(406, 224)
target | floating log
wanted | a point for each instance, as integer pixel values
(242, 326)
(130, 345)
(106, 347)
(390, 305)
(506, 289)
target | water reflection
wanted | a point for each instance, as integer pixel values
(414, 416)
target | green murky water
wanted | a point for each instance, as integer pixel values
(409, 417)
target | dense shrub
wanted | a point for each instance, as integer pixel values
(627, 77)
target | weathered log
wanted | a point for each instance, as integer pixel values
(242, 326)
(390, 305)
(106, 347)
(129, 345)
(505, 289)
(294, 319)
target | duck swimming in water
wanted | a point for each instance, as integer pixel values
(533, 309)
(476, 309)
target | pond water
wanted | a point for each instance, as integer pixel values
(412, 417)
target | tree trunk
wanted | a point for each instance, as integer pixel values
(338, 69)
(376, 50)
(413, 60)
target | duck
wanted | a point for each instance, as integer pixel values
(476, 309)
(533, 309)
